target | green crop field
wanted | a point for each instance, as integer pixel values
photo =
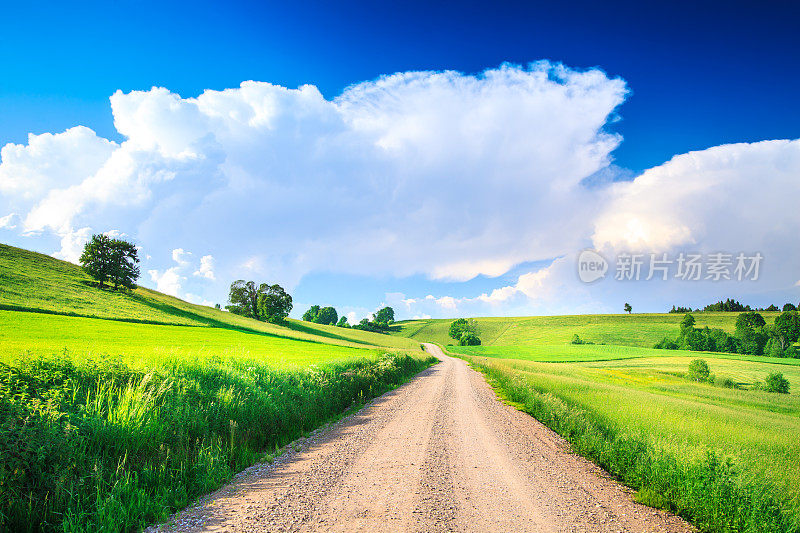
(726, 458)
(117, 408)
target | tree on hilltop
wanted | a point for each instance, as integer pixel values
(263, 302)
(115, 261)
(385, 316)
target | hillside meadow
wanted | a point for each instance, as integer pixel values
(642, 330)
(117, 408)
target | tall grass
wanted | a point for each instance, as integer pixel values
(96, 445)
(710, 491)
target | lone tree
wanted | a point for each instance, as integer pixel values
(262, 302)
(699, 370)
(461, 326)
(115, 261)
(385, 315)
(628, 308)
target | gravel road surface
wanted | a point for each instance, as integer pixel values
(440, 453)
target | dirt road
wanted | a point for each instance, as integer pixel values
(440, 453)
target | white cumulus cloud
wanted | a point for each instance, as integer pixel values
(440, 173)
(206, 269)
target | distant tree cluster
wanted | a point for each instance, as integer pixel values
(729, 306)
(112, 261)
(380, 322)
(263, 302)
(732, 306)
(465, 331)
(752, 336)
(321, 315)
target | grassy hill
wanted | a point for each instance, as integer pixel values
(117, 408)
(627, 330)
(38, 283)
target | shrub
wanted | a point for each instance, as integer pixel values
(728, 383)
(775, 382)
(699, 370)
(577, 340)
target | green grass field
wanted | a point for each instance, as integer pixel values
(631, 409)
(628, 330)
(117, 408)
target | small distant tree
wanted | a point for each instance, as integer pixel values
(343, 323)
(274, 304)
(699, 370)
(328, 316)
(772, 307)
(217, 307)
(775, 382)
(460, 326)
(628, 308)
(311, 314)
(385, 315)
(115, 261)
(789, 307)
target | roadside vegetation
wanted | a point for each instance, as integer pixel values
(119, 406)
(96, 445)
(726, 459)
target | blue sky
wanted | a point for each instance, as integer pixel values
(696, 75)
(701, 73)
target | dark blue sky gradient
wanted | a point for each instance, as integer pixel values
(701, 73)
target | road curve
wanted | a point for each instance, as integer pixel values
(440, 453)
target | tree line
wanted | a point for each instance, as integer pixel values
(730, 305)
(380, 323)
(752, 336)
